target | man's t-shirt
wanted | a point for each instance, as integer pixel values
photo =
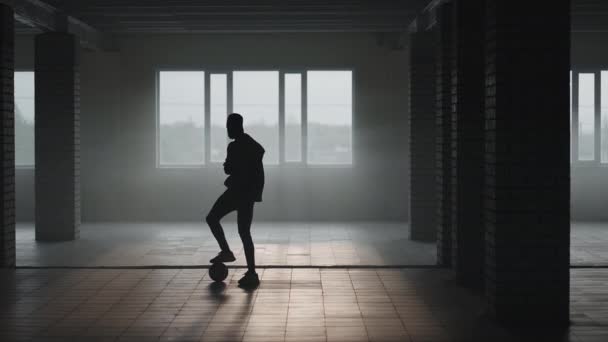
(245, 169)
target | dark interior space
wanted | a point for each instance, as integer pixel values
(399, 170)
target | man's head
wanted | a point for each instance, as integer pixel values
(234, 124)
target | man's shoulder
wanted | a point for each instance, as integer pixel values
(236, 145)
(254, 143)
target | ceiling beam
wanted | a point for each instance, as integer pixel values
(214, 16)
(38, 14)
(590, 23)
(427, 18)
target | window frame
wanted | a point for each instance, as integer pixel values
(598, 117)
(281, 99)
(574, 128)
(27, 166)
(229, 109)
(352, 121)
(229, 72)
(303, 118)
(159, 165)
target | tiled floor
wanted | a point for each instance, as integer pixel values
(302, 304)
(589, 298)
(290, 305)
(187, 244)
(588, 243)
(311, 244)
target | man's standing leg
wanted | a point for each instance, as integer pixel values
(244, 218)
(221, 208)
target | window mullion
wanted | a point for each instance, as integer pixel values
(207, 101)
(229, 99)
(304, 121)
(281, 117)
(603, 117)
(229, 92)
(575, 123)
(157, 105)
(598, 117)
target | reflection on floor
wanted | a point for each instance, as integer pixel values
(589, 244)
(290, 305)
(145, 244)
(311, 244)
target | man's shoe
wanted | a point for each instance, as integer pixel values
(223, 257)
(249, 280)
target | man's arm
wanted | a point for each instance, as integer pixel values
(229, 163)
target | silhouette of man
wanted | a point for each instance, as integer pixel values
(245, 184)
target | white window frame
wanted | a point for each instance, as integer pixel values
(282, 163)
(27, 166)
(574, 129)
(157, 120)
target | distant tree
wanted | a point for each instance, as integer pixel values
(181, 143)
(329, 143)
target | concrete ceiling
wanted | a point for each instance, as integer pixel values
(24, 28)
(185, 16)
(191, 16)
(590, 15)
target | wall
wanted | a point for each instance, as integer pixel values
(589, 183)
(119, 177)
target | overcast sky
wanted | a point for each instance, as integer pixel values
(24, 94)
(256, 96)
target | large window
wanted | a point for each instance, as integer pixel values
(181, 117)
(604, 118)
(293, 117)
(329, 117)
(589, 116)
(256, 97)
(24, 118)
(300, 117)
(586, 117)
(218, 98)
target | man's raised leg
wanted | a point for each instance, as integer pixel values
(221, 208)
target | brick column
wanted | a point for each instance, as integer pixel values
(7, 123)
(423, 212)
(57, 137)
(468, 142)
(527, 186)
(445, 56)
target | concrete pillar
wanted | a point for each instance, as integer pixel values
(527, 204)
(7, 137)
(57, 137)
(468, 142)
(443, 171)
(423, 211)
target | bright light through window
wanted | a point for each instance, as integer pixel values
(256, 98)
(330, 117)
(181, 117)
(218, 93)
(316, 116)
(586, 117)
(24, 118)
(604, 121)
(293, 117)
